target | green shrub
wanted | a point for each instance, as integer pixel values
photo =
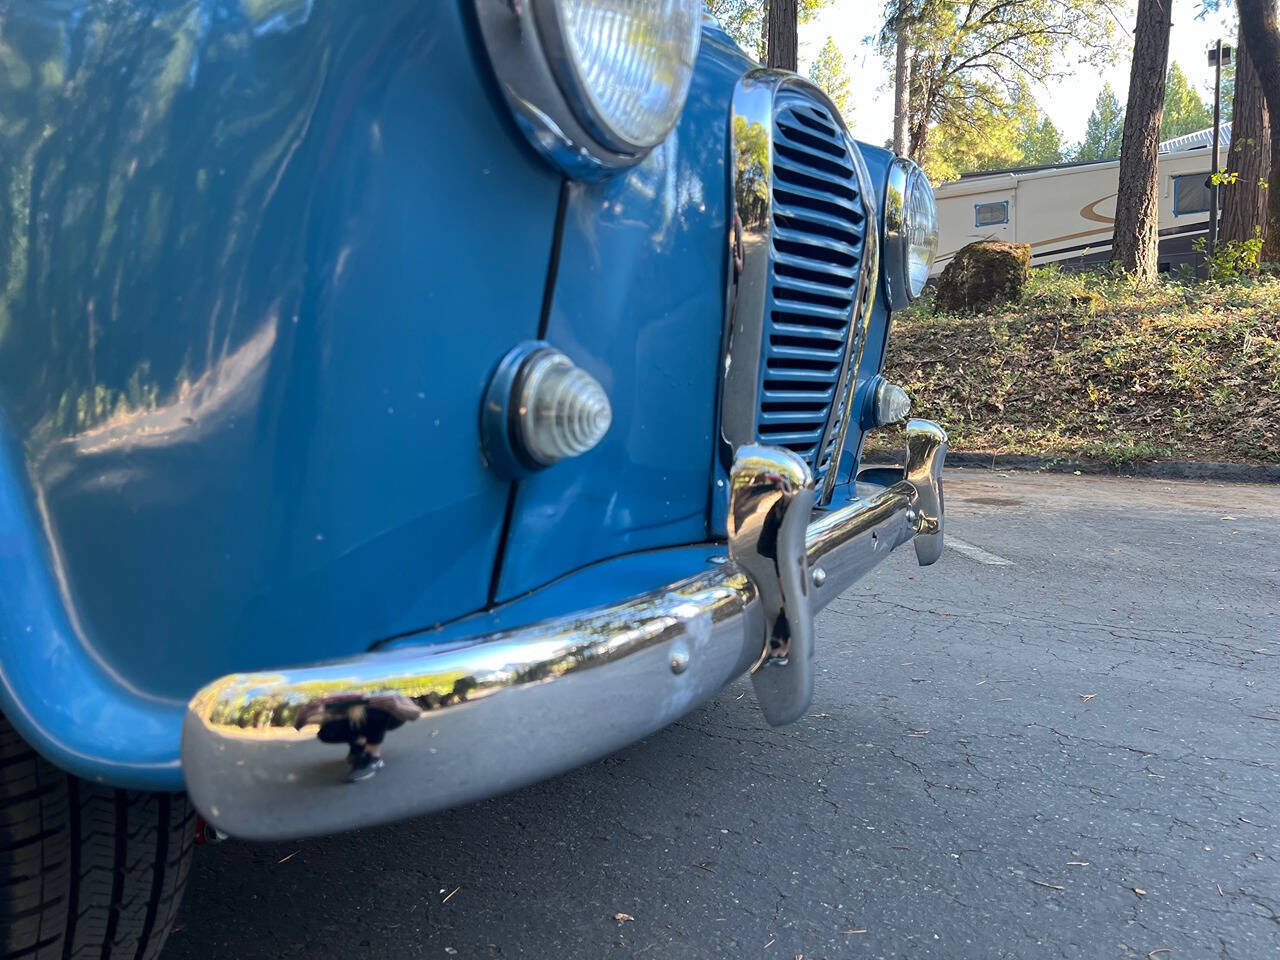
(1235, 260)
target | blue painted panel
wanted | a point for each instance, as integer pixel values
(639, 303)
(610, 581)
(72, 707)
(256, 263)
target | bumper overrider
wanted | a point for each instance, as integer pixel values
(471, 720)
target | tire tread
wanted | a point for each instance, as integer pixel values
(87, 872)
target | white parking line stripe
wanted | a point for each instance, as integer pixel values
(977, 553)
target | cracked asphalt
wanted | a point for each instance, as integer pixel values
(1073, 754)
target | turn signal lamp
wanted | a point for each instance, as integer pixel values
(540, 408)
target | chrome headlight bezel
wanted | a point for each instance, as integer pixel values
(532, 60)
(907, 185)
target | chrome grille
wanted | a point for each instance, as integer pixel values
(817, 238)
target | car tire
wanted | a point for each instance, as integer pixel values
(85, 870)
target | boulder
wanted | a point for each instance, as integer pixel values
(984, 274)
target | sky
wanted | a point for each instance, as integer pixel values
(1068, 104)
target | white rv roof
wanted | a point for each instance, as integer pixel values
(1002, 179)
(1201, 138)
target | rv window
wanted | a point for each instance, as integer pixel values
(1191, 194)
(991, 214)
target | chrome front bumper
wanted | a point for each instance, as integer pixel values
(507, 709)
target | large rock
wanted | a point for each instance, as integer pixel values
(983, 274)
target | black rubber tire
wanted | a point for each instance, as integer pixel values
(86, 871)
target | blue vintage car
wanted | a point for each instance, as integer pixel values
(404, 401)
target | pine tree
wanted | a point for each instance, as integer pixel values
(783, 35)
(1137, 233)
(1040, 142)
(828, 72)
(1184, 110)
(1105, 129)
(747, 20)
(1258, 22)
(1248, 164)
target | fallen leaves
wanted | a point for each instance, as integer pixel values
(451, 893)
(1077, 863)
(624, 918)
(1050, 886)
(1086, 697)
(1139, 891)
(1106, 387)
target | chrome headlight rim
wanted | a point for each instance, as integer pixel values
(529, 54)
(904, 179)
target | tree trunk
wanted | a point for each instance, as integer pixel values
(1137, 233)
(1244, 207)
(901, 91)
(783, 35)
(1258, 22)
(919, 142)
(763, 54)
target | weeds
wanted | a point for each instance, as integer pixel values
(1090, 365)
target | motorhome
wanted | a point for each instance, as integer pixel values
(1067, 212)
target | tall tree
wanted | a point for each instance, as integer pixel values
(963, 53)
(1244, 207)
(1184, 110)
(829, 73)
(987, 140)
(1137, 233)
(1258, 23)
(741, 19)
(898, 17)
(1039, 141)
(747, 21)
(1105, 129)
(901, 92)
(784, 35)
(1001, 137)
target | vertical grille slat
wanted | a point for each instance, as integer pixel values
(818, 233)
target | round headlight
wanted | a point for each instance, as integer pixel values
(594, 84)
(626, 64)
(922, 232)
(911, 232)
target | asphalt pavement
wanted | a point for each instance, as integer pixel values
(1061, 740)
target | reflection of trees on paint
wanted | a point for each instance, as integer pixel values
(139, 159)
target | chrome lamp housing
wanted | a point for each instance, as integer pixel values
(910, 233)
(594, 85)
